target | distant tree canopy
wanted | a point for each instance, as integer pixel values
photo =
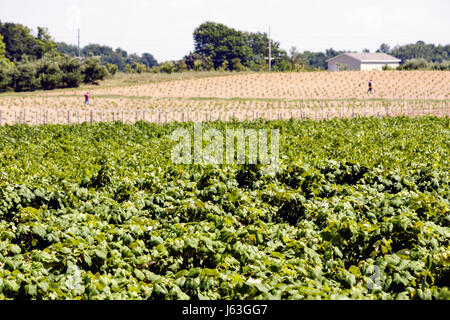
(418, 50)
(3, 50)
(30, 62)
(107, 55)
(317, 60)
(50, 72)
(412, 56)
(19, 42)
(221, 45)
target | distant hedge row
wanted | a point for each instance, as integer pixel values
(50, 72)
(421, 64)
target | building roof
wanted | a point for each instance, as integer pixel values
(369, 57)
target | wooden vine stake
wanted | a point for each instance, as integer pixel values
(323, 103)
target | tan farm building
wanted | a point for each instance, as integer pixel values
(362, 61)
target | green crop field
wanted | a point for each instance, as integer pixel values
(358, 209)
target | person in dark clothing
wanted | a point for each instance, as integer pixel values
(370, 87)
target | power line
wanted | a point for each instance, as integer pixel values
(79, 50)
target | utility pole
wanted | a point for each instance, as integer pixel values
(270, 53)
(79, 50)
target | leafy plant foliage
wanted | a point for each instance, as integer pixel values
(359, 209)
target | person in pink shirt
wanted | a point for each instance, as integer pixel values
(87, 98)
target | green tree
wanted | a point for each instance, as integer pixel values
(198, 65)
(385, 48)
(48, 73)
(7, 65)
(307, 60)
(167, 67)
(258, 42)
(223, 66)
(6, 72)
(112, 68)
(2, 49)
(209, 64)
(421, 50)
(155, 69)
(237, 65)
(121, 52)
(24, 77)
(181, 66)
(93, 71)
(261, 65)
(387, 68)
(295, 56)
(190, 59)
(284, 65)
(107, 55)
(44, 43)
(415, 64)
(139, 67)
(71, 72)
(444, 65)
(148, 59)
(18, 41)
(221, 43)
(129, 69)
(68, 49)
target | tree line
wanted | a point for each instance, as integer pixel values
(419, 56)
(119, 58)
(31, 61)
(219, 47)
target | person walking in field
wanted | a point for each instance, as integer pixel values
(86, 98)
(370, 87)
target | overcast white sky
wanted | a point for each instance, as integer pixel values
(164, 28)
